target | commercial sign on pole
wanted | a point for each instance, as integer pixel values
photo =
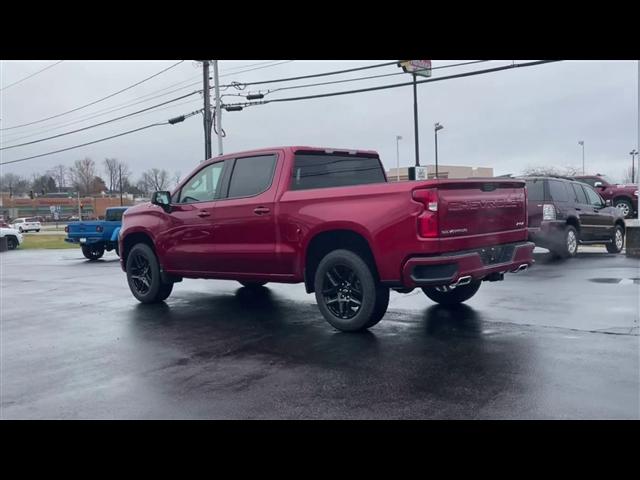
(417, 67)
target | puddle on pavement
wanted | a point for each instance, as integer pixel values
(618, 281)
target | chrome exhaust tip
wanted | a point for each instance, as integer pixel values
(521, 268)
(466, 280)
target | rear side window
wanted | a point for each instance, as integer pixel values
(251, 175)
(114, 215)
(324, 170)
(558, 191)
(535, 190)
(580, 196)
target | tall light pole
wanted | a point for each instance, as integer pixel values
(398, 138)
(437, 127)
(581, 142)
(633, 154)
(218, 111)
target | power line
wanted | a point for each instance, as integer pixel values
(178, 119)
(99, 124)
(337, 72)
(96, 101)
(397, 85)
(370, 77)
(128, 103)
(32, 75)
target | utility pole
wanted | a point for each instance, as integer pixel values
(79, 208)
(120, 175)
(207, 109)
(581, 142)
(218, 109)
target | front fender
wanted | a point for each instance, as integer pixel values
(114, 235)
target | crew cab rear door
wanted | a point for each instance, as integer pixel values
(244, 235)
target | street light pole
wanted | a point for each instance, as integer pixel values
(437, 127)
(633, 154)
(120, 175)
(415, 119)
(398, 138)
(581, 142)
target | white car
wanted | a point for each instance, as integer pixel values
(14, 237)
(26, 225)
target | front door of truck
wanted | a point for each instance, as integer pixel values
(187, 239)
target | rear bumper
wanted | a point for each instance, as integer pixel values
(550, 233)
(446, 269)
(90, 240)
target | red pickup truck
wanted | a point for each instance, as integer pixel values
(327, 218)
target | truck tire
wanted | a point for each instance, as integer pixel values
(12, 242)
(625, 207)
(348, 294)
(568, 245)
(453, 297)
(143, 275)
(92, 252)
(617, 242)
(251, 284)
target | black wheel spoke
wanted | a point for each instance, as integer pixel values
(342, 292)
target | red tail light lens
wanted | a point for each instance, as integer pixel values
(99, 228)
(428, 220)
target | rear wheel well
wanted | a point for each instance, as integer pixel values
(619, 222)
(133, 239)
(574, 223)
(622, 197)
(326, 242)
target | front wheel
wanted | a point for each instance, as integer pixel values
(143, 275)
(617, 242)
(349, 296)
(20, 230)
(12, 243)
(448, 296)
(625, 207)
(92, 252)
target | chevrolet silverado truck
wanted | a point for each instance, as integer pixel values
(329, 219)
(94, 237)
(624, 197)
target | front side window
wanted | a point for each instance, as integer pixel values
(589, 181)
(322, 170)
(204, 186)
(593, 197)
(251, 175)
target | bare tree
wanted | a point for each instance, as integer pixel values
(60, 174)
(155, 179)
(176, 178)
(82, 174)
(14, 184)
(550, 170)
(111, 170)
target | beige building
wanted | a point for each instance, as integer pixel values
(444, 171)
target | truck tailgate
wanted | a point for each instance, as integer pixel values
(483, 212)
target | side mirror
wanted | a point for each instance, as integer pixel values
(598, 184)
(162, 199)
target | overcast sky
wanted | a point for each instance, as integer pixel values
(507, 120)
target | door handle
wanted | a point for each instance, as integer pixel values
(203, 213)
(261, 210)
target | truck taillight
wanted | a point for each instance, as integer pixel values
(99, 228)
(428, 220)
(548, 212)
(66, 229)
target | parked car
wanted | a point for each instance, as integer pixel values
(327, 218)
(97, 236)
(624, 197)
(26, 224)
(564, 214)
(14, 237)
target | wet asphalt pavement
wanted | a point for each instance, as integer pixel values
(557, 342)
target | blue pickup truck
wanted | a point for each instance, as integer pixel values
(97, 236)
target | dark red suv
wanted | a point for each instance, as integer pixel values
(564, 213)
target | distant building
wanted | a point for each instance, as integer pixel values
(444, 171)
